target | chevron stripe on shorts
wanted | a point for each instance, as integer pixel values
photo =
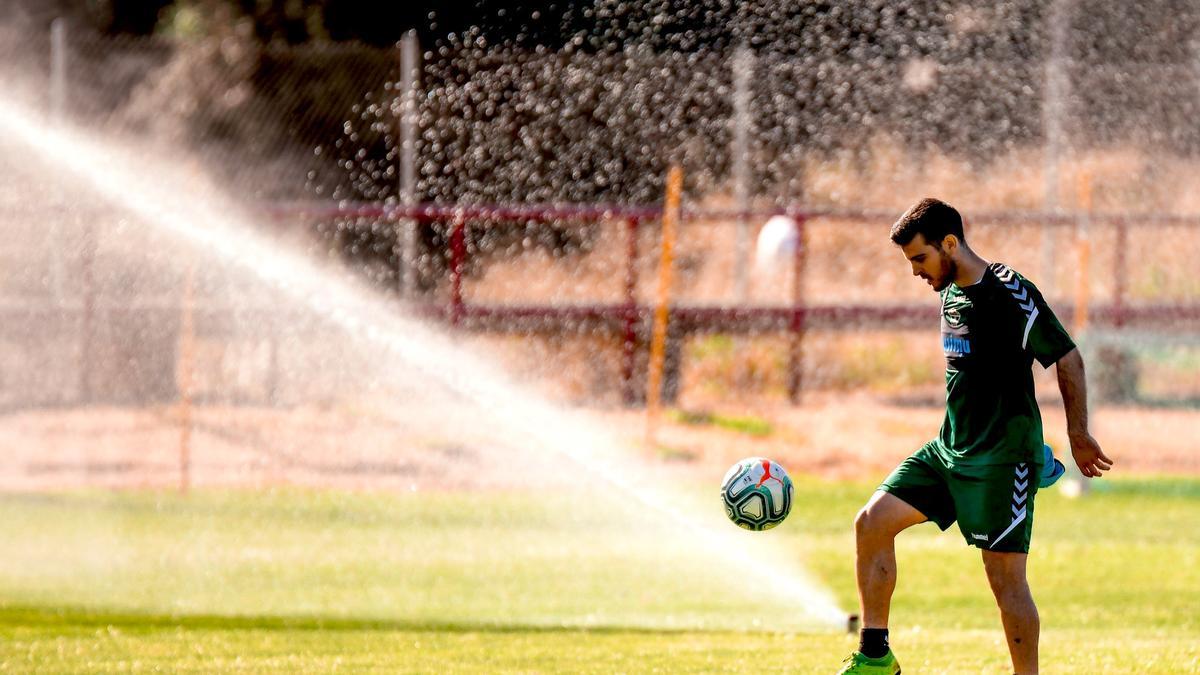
(1020, 500)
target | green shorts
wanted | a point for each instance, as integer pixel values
(992, 504)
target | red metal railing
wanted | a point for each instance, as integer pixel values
(628, 320)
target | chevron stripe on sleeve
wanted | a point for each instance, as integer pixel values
(1021, 294)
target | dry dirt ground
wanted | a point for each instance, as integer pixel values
(833, 436)
(859, 436)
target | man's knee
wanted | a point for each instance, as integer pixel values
(1006, 575)
(1009, 592)
(863, 522)
(885, 516)
(873, 523)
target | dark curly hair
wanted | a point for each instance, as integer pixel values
(930, 218)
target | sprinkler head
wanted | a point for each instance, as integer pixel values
(852, 623)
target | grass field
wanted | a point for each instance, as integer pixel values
(498, 581)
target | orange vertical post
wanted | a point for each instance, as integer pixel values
(658, 340)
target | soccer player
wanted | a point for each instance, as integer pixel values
(984, 468)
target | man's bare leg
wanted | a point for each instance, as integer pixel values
(875, 529)
(1006, 574)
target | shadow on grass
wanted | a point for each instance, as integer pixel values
(29, 616)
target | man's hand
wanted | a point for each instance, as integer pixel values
(1090, 459)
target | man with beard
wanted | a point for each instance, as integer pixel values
(984, 468)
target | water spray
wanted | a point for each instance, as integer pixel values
(201, 219)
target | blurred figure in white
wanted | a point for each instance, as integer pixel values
(774, 255)
(776, 244)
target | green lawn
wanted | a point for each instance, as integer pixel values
(493, 581)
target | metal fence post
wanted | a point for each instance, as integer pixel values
(796, 329)
(743, 122)
(58, 70)
(184, 374)
(458, 251)
(1119, 273)
(629, 313)
(406, 236)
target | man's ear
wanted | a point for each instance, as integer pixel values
(949, 243)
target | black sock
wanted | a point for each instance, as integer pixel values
(873, 642)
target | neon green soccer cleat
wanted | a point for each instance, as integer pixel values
(857, 664)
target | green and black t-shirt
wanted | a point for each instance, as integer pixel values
(991, 333)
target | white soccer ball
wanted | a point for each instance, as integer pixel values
(757, 493)
(775, 248)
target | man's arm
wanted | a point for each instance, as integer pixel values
(1071, 382)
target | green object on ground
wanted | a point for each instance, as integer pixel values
(858, 664)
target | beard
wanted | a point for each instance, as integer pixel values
(947, 271)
